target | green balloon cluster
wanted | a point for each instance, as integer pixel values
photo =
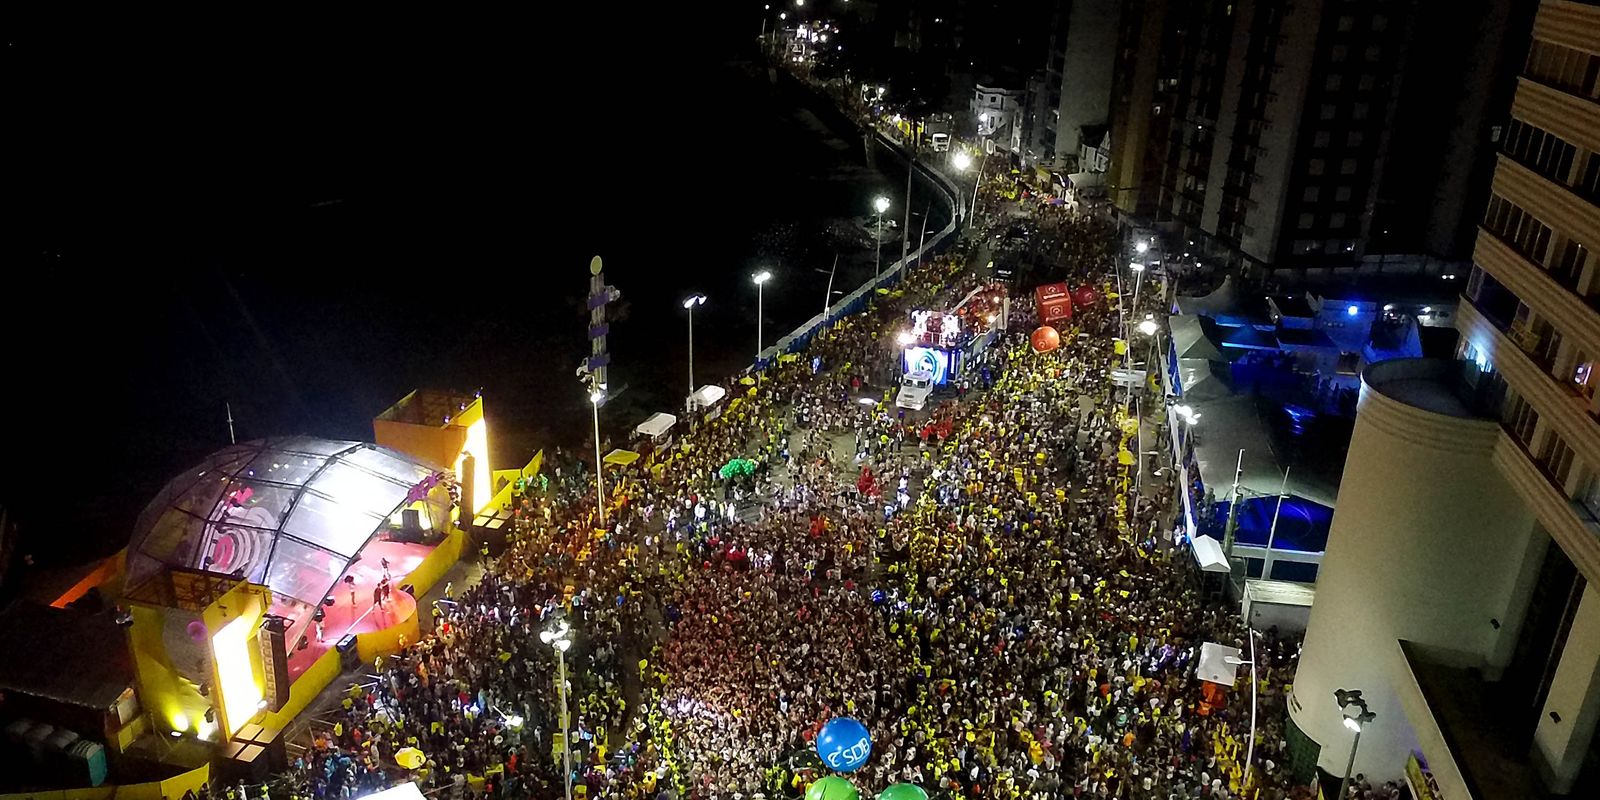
(832, 787)
(903, 791)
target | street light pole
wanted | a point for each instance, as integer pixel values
(879, 204)
(1344, 785)
(1272, 533)
(558, 639)
(599, 466)
(1250, 749)
(761, 279)
(972, 209)
(1356, 717)
(566, 746)
(689, 305)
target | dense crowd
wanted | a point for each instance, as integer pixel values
(981, 584)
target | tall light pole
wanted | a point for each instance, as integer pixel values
(1356, 717)
(962, 161)
(558, 638)
(760, 279)
(1250, 750)
(689, 304)
(595, 396)
(880, 204)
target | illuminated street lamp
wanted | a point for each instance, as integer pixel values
(1142, 247)
(689, 304)
(880, 204)
(904, 338)
(1356, 717)
(558, 638)
(1148, 327)
(760, 279)
(961, 161)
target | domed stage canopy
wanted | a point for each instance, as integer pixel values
(290, 513)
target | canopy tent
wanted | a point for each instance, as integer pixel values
(1225, 298)
(621, 458)
(656, 425)
(1218, 664)
(1199, 382)
(707, 396)
(291, 513)
(405, 791)
(1208, 554)
(1190, 340)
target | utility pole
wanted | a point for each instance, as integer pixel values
(905, 229)
(1272, 533)
(1233, 511)
(229, 408)
(922, 240)
(827, 297)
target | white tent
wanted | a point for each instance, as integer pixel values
(1208, 554)
(405, 791)
(1190, 340)
(706, 396)
(656, 425)
(1215, 665)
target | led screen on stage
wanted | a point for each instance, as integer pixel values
(931, 359)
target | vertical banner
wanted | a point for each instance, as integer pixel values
(593, 370)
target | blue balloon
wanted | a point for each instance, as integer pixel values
(844, 744)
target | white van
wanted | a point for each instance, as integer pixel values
(915, 387)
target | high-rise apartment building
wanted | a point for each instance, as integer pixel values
(1073, 94)
(1459, 589)
(1269, 129)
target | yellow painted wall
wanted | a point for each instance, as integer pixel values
(386, 641)
(433, 568)
(323, 671)
(502, 498)
(170, 789)
(171, 701)
(95, 793)
(129, 732)
(437, 444)
(165, 695)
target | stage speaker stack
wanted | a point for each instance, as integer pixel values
(349, 656)
(274, 661)
(411, 525)
(467, 519)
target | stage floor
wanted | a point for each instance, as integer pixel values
(363, 617)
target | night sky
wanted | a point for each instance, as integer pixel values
(308, 220)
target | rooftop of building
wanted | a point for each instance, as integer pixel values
(73, 657)
(1431, 384)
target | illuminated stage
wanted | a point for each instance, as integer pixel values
(364, 617)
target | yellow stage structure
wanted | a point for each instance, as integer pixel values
(197, 655)
(443, 428)
(227, 563)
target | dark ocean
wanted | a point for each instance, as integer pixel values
(309, 227)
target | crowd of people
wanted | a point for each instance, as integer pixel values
(984, 585)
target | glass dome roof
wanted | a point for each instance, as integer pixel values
(290, 513)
